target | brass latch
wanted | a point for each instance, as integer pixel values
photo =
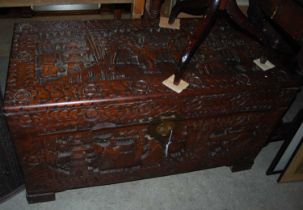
(162, 129)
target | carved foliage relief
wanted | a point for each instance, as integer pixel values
(72, 158)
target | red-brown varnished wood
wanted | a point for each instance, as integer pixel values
(86, 106)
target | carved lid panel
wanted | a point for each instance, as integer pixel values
(68, 62)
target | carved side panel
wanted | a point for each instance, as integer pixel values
(10, 174)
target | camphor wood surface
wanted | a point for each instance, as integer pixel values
(86, 105)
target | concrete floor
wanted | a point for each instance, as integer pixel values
(213, 189)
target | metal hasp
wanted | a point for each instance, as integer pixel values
(210, 8)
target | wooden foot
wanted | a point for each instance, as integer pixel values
(240, 166)
(44, 197)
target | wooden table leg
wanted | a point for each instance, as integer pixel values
(242, 21)
(138, 8)
(196, 39)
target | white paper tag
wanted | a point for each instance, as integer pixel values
(169, 82)
(164, 23)
(264, 66)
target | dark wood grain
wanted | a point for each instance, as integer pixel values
(86, 105)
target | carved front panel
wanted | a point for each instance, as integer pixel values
(64, 161)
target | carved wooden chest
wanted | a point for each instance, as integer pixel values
(86, 105)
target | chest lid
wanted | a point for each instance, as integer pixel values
(79, 62)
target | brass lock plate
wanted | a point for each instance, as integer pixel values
(164, 128)
(161, 127)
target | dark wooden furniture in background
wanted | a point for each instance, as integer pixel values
(210, 9)
(137, 6)
(154, 8)
(273, 18)
(282, 24)
(86, 105)
(10, 175)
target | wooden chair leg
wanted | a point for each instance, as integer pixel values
(242, 21)
(117, 14)
(138, 8)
